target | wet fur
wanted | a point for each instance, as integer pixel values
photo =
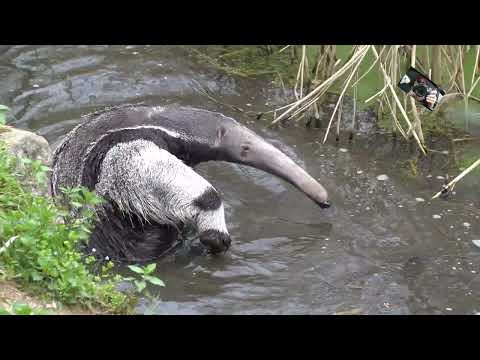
(123, 156)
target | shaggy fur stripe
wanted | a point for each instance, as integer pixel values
(209, 200)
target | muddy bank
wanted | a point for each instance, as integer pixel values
(10, 293)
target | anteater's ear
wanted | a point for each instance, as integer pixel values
(221, 131)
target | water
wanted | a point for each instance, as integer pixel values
(378, 250)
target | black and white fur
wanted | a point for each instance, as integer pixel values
(140, 159)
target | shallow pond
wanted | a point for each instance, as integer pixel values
(378, 250)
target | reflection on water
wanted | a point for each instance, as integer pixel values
(378, 249)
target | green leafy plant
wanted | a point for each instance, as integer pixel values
(40, 242)
(23, 309)
(144, 276)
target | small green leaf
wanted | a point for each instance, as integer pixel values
(22, 309)
(141, 285)
(36, 276)
(136, 269)
(154, 280)
(150, 268)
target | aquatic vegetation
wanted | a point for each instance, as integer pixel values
(145, 276)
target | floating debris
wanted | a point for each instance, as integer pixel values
(343, 150)
(429, 176)
(359, 172)
(350, 312)
(466, 224)
(436, 216)
(248, 104)
(445, 152)
(449, 309)
(382, 177)
(419, 199)
(36, 85)
(440, 177)
(135, 53)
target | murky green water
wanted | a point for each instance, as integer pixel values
(377, 249)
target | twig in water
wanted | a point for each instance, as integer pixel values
(447, 188)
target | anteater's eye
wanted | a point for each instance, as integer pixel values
(245, 149)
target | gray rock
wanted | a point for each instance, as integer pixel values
(26, 144)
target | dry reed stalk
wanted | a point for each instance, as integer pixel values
(418, 122)
(300, 73)
(394, 73)
(385, 87)
(474, 85)
(436, 64)
(343, 93)
(339, 119)
(452, 183)
(445, 53)
(354, 112)
(402, 110)
(465, 99)
(369, 69)
(323, 86)
(394, 118)
(474, 70)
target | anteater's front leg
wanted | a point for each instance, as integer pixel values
(155, 186)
